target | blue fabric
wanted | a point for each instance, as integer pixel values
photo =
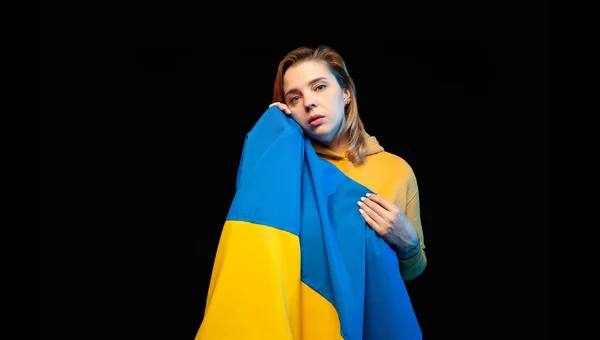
(284, 184)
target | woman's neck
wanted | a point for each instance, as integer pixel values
(338, 145)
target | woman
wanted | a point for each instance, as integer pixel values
(313, 86)
(292, 262)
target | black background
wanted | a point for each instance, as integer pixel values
(143, 114)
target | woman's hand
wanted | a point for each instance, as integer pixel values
(282, 107)
(390, 223)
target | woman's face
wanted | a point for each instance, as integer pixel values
(315, 99)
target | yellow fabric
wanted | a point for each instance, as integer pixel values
(322, 322)
(271, 312)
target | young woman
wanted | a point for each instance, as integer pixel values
(313, 86)
(292, 263)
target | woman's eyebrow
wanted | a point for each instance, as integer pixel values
(309, 83)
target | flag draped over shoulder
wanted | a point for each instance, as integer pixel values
(295, 259)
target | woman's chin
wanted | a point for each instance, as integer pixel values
(323, 138)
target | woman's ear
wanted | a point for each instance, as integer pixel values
(346, 97)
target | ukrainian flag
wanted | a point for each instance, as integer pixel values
(295, 259)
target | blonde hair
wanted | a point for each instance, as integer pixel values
(353, 126)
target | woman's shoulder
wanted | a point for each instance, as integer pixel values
(377, 153)
(391, 176)
(391, 161)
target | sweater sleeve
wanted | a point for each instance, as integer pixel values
(412, 267)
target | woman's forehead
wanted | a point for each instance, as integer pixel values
(306, 72)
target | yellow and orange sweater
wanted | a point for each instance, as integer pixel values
(393, 178)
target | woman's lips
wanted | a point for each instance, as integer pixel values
(316, 120)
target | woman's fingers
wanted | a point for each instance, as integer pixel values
(281, 106)
(373, 217)
(370, 221)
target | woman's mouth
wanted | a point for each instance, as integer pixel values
(315, 120)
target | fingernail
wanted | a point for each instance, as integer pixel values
(362, 198)
(288, 111)
(369, 194)
(359, 203)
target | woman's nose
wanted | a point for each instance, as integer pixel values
(310, 102)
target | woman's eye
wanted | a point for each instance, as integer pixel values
(320, 87)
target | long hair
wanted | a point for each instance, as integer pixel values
(352, 125)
